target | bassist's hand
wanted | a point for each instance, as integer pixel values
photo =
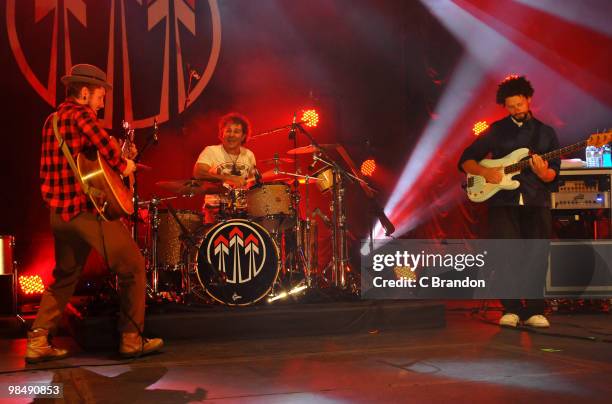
(493, 175)
(538, 165)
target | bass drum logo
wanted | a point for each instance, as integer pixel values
(145, 47)
(238, 262)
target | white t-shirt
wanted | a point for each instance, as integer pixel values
(221, 162)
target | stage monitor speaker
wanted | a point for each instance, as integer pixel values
(579, 268)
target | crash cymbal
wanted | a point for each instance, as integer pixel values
(304, 150)
(280, 160)
(191, 187)
(311, 149)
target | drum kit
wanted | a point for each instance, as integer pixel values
(258, 244)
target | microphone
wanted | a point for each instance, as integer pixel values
(155, 130)
(315, 159)
(292, 131)
(323, 216)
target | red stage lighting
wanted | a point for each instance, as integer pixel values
(480, 127)
(310, 117)
(368, 167)
(31, 284)
(511, 77)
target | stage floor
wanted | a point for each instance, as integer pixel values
(469, 360)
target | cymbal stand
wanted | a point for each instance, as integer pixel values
(154, 218)
(339, 262)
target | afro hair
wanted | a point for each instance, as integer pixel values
(513, 85)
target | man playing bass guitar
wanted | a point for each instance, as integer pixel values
(524, 212)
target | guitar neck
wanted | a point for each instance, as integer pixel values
(512, 168)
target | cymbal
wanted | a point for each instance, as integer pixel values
(310, 149)
(143, 167)
(270, 175)
(191, 187)
(280, 160)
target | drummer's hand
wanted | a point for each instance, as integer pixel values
(235, 180)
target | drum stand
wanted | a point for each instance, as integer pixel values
(300, 254)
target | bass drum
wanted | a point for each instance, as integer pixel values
(238, 262)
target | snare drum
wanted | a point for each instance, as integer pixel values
(238, 262)
(270, 205)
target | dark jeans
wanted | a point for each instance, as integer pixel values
(73, 242)
(522, 222)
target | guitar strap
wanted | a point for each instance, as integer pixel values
(90, 191)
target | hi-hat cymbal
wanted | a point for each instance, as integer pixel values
(191, 187)
(311, 149)
(279, 159)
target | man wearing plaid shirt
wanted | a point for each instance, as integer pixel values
(77, 228)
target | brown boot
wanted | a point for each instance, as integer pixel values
(133, 345)
(39, 349)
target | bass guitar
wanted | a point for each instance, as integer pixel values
(479, 190)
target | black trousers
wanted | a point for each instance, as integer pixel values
(522, 222)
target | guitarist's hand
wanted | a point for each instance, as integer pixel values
(493, 175)
(129, 152)
(539, 166)
(130, 168)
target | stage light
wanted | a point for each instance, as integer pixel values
(31, 284)
(480, 127)
(510, 77)
(368, 167)
(283, 295)
(310, 117)
(404, 272)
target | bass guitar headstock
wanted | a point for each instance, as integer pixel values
(600, 139)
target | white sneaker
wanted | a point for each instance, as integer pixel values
(509, 320)
(537, 320)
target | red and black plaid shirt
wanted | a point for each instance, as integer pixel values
(78, 126)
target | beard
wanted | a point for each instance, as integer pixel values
(522, 116)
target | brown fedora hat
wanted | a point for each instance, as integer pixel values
(84, 73)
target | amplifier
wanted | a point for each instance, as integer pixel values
(582, 189)
(579, 268)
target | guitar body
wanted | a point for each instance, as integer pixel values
(479, 190)
(115, 199)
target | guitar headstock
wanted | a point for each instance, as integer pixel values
(600, 139)
(128, 149)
